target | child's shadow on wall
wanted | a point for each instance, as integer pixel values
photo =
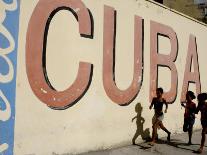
(145, 134)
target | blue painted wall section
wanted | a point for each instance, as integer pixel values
(9, 27)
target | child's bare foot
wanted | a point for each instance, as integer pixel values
(152, 143)
(199, 150)
(168, 137)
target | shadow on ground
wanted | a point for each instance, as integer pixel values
(174, 143)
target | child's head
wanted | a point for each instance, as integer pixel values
(190, 95)
(159, 92)
(202, 97)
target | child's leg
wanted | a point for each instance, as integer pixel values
(203, 138)
(190, 132)
(164, 129)
(185, 125)
(154, 132)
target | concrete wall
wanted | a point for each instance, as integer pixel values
(64, 106)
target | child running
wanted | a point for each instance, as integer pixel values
(202, 107)
(189, 116)
(158, 102)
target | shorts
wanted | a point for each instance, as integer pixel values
(156, 117)
(188, 124)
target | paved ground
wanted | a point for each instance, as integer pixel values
(177, 146)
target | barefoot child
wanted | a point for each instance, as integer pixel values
(202, 107)
(189, 116)
(158, 102)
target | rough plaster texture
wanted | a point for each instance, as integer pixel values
(95, 122)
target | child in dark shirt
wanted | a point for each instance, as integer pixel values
(202, 107)
(189, 116)
(158, 103)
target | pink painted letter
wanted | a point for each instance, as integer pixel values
(35, 53)
(161, 60)
(191, 77)
(121, 97)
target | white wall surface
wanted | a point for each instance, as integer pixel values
(95, 122)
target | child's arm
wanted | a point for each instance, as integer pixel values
(152, 103)
(166, 106)
(197, 108)
(183, 105)
(194, 109)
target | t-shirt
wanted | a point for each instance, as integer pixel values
(158, 105)
(190, 110)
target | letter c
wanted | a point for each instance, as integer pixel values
(35, 48)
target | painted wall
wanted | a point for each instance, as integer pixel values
(86, 68)
(9, 21)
